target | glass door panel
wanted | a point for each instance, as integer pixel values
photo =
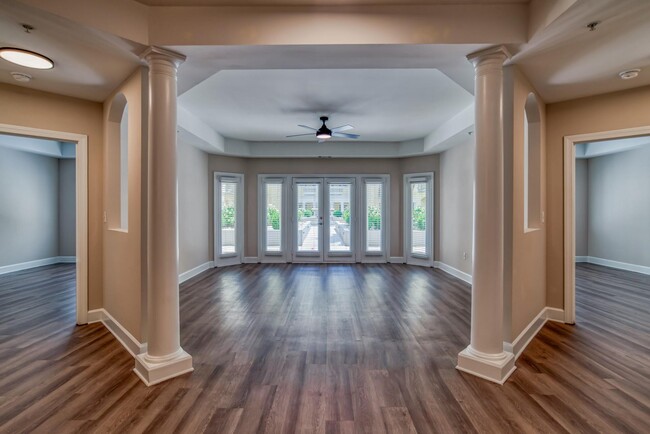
(273, 217)
(308, 218)
(340, 231)
(374, 221)
(419, 218)
(228, 214)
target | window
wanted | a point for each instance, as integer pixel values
(532, 165)
(418, 219)
(228, 214)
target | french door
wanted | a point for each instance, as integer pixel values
(229, 218)
(323, 217)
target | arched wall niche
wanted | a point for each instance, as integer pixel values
(532, 164)
(118, 164)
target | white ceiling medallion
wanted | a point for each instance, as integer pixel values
(629, 74)
(26, 58)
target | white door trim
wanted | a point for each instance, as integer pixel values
(81, 177)
(333, 256)
(306, 256)
(569, 207)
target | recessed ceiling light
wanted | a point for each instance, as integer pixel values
(629, 74)
(26, 58)
(21, 76)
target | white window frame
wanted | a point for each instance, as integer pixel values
(225, 259)
(273, 256)
(365, 255)
(415, 258)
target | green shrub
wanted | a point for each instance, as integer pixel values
(346, 216)
(273, 217)
(228, 217)
(337, 213)
(419, 218)
(307, 213)
(374, 218)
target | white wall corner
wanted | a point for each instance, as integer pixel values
(519, 344)
(187, 275)
(555, 314)
(396, 260)
(465, 277)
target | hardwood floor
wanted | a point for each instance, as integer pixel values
(324, 349)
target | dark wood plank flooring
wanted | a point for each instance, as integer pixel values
(324, 349)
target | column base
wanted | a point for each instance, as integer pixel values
(492, 367)
(154, 372)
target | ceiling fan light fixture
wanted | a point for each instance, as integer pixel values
(26, 58)
(324, 132)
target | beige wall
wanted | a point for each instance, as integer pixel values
(124, 251)
(193, 209)
(253, 166)
(525, 250)
(606, 112)
(582, 210)
(619, 207)
(29, 108)
(457, 206)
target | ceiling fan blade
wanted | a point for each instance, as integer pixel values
(298, 135)
(342, 128)
(346, 135)
(309, 128)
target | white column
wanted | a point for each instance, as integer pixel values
(485, 356)
(164, 358)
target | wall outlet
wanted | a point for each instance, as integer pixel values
(465, 256)
(105, 217)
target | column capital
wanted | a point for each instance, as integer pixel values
(498, 53)
(154, 52)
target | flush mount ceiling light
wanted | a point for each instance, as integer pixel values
(26, 58)
(629, 74)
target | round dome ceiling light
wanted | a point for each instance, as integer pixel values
(629, 74)
(21, 76)
(26, 58)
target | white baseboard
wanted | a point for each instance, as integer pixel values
(187, 275)
(615, 264)
(251, 260)
(130, 343)
(582, 259)
(396, 260)
(37, 263)
(519, 344)
(453, 271)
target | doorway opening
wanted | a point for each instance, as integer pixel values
(80, 144)
(598, 145)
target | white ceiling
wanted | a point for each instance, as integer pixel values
(567, 61)
(386, 105)
(87, 64)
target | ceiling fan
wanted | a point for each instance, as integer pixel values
(323, 133)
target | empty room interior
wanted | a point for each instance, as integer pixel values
(324, 217)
